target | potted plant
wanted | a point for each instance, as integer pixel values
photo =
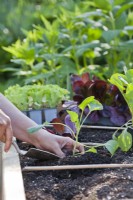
(38, 102)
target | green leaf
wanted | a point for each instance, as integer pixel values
(84, 103)
(73, 115)
(116, 80)
(110, 34)
(74, 118)
(124, 8)
(129, 29)
(81, 49)
(38, 66)
(18, 61)
(129, 75)
(92, 13)
(92, 103)
(128, 97)
(123, 80)
(118, 2)
(112, 146)
(125, 85)
(103, 4)
(92, 150)
(125, 140)
(46, 23)
(9, 69)
(95, 105)
(125, 46)
(120, 21)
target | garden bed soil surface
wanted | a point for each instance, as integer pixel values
(84, 184)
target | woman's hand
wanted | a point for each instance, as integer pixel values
(6, 132)
(54, 143)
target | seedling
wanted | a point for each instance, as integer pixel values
(124, 83)
(123, 141)
(77, 121)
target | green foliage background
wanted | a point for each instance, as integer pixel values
(44, 41)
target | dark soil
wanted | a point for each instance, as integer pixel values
(88, 184)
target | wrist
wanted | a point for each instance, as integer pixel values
(36, 137)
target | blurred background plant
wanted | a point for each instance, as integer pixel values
(36, 96)
(49, 40)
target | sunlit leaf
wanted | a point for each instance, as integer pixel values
(92, 103)
(124, 8)
(129, 75)
(103, 4)
(125, 140)
(85, 102)
(116, 80)
(74, 118)
(112, 146)
(92, 150)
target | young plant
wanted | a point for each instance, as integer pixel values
(76, 120)
(123, 141)
(89, 102)
(124, 83)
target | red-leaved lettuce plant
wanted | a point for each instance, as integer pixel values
(115, 107)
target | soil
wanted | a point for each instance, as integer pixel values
(88, 184)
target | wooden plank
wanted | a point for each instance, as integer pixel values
(0, 170)
(13, 187)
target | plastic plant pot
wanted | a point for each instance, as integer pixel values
(41, 116)
(49, 114)
(36, 116)
(25, 113)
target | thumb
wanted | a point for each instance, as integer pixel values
(8, 141)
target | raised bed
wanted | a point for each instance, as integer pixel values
(81, 184)
(0, 170)
(11, 183)
(113, 181)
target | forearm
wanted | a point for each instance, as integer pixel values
(20, 122)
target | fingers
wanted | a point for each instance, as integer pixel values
(69, 144)
(6, 132)
(2, 129)
(8, 135)
(80, 147)
(59, 152)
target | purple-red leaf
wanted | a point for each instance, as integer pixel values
(58, 125)
(85, 77)
(70, 124)
(116, 117)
